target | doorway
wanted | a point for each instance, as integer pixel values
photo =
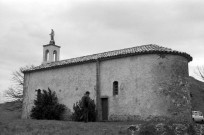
(104, 106)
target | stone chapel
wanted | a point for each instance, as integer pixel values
(127, 84)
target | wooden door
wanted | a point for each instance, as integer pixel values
(104, 104)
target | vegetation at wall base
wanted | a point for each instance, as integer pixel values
(46, 106)
(79, 111)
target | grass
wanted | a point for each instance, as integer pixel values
(45, 127)
(10, 111)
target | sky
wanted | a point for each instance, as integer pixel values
(84, 27)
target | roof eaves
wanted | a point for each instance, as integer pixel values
(146, 49)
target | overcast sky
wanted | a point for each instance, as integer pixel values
(85, 27)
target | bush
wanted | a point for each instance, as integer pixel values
(191, 130)
(78, 111)
(147, 129)
(46, 106)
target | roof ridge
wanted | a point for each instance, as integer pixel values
(136, 50)
(109, 51)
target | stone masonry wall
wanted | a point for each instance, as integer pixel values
(70, 84)
(149, 86)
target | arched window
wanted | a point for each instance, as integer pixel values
(115, 88)
(55, 55)
(47, 55)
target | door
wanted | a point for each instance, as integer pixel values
(104, 105)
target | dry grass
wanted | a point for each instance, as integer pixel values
(45, 127)
(10, 111)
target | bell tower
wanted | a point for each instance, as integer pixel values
(51, 52)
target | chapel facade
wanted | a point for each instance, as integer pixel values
(128, 84)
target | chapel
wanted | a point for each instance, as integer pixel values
(133, 83)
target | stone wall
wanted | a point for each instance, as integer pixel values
(69, 83)
(149, 86)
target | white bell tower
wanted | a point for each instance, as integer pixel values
(51, 52)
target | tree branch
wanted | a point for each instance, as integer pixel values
(16, 92)
(200, 72)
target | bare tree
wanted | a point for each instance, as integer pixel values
(15, 92)
(200, 72)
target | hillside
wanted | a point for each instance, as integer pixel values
(10, 111)
(197, 93)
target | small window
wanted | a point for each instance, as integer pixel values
(115, 88)
(191, 94)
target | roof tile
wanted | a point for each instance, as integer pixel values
(144, 49)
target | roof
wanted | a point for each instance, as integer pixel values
(52, 45)
(138, 50)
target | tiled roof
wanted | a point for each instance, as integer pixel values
(138, 50)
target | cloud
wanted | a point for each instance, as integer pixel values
(177, 25)
(88, 27)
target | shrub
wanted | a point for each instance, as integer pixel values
(191, 130)
(46, 106)
(147, 129)
(78, 111)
